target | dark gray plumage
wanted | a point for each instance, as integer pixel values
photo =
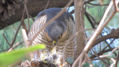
(56, 28)
(59, 30)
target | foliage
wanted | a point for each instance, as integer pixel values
(7, 58)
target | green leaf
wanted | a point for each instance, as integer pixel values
(7, 58)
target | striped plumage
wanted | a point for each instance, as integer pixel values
(60, 31)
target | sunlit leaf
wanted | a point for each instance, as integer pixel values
(7, 58)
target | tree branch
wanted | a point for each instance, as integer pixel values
(34, 6)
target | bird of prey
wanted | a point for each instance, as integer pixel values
(55, 36)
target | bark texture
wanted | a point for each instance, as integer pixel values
(12, 10)
(79, 19)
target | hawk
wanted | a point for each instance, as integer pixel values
(55, 36)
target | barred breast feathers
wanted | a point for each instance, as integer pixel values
(38, 23)
(60, 30)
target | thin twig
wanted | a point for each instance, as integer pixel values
(91, 20)
(28, 16)
(101, 53)
(113, 34)
(47, 4)
(14, 46)
(116, 5)
(14, 39)
(114, 62)
(24, 33)
(100, 27)
(6, 39)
